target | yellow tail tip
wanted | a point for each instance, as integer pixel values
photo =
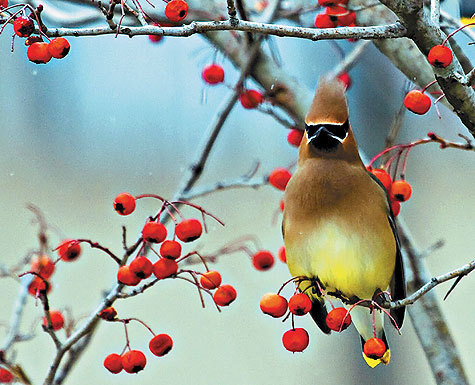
(372, 363)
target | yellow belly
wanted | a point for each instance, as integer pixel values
(343, 259)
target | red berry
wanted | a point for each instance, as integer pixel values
(374, 348)
(133, 361)
(210, 280)
(300, 304)
(273, 304)
(322, 20)
(383, 177)
(440, 56)
(224, 295)
(5, 376)
(347, 20)
(176, 10)
(188, 230)
(164, 268)
(213, 74)
(42, 265)
(395, 207)
(295, 340)
(279, 178)
(263, 260)
(59, 47)
(250, 99)
(401, 190)
(294, 137)
(161, 344)
(125, 276)
(281, 254)
(154, 232)
(170, 249)
(69, 250)
(338, 319)
(38, 53)
(344, 77)
(113, 363)
(141, 267)
(57, 320)
(23, 26)
(3, 3)
(124, 204)
(417, 102)
(108, 314)
(281, 205)
(38, 286)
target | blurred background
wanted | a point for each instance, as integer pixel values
(120, 114)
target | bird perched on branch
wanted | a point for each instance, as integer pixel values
(338, 227)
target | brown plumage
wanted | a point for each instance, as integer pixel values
(338, 226)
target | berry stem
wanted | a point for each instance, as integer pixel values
(428, 85)
(96, 245)
(454, 32)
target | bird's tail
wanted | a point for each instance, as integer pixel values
(363, 320)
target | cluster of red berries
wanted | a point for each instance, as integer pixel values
(213, 74)
(43, 267)
(5, 375)
(336, 14)
(398, 190)
(38, 51)
(170, 254)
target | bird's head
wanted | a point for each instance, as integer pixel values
(327, 129)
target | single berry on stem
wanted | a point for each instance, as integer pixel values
(59, 47)
(210, 280)
(294, 137)
(170, 249)
(42, 265)
(69, 250)
(213, 74)
(38, 53)
(401, 190)
(141, 267)
(374, 348)
(295, 340)
(188, 230)
(38, 286)
(176, 10)
(300, 304)
(440, 56)
(279, 178)
(154, 232)
(263, 260)
(338, 319)
(417, 102)
(125, 276)
(23, 26)
(383, 177)
(57, 320)
(224, 295)
(161, 344)
(133, 361)
(124, 204)
(250, 99)
(273, 304)
(113, 363)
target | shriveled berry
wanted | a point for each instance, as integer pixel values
(210, 280)
(383, 177)
(113, 363)
(141, 267)
(176, 10)
(374, 348)
(164, 268)
(294, 137)
(154, 232)
(345, 78)
(322, 20)
(338, 319)
(213, 74)
(57, 320)
(59, 47)
(38, 53)
(133, 361)
(440, 56)
(161, 344)
(69, 250)
(295, 340)
(263, 260)
(188, 230)
(170, 249)
(417, 102)
(250, 99)
(125, 276)
(300, 304)
(273, 304)
(224, 295)
(38, 286)
(23, 26)
(281, 254)
(43, 265)
(401, 190)
(279, 178)
(5, 376)
(108, 314)
(32, 39)
(124, 204)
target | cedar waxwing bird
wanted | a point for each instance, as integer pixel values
(338, 226)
